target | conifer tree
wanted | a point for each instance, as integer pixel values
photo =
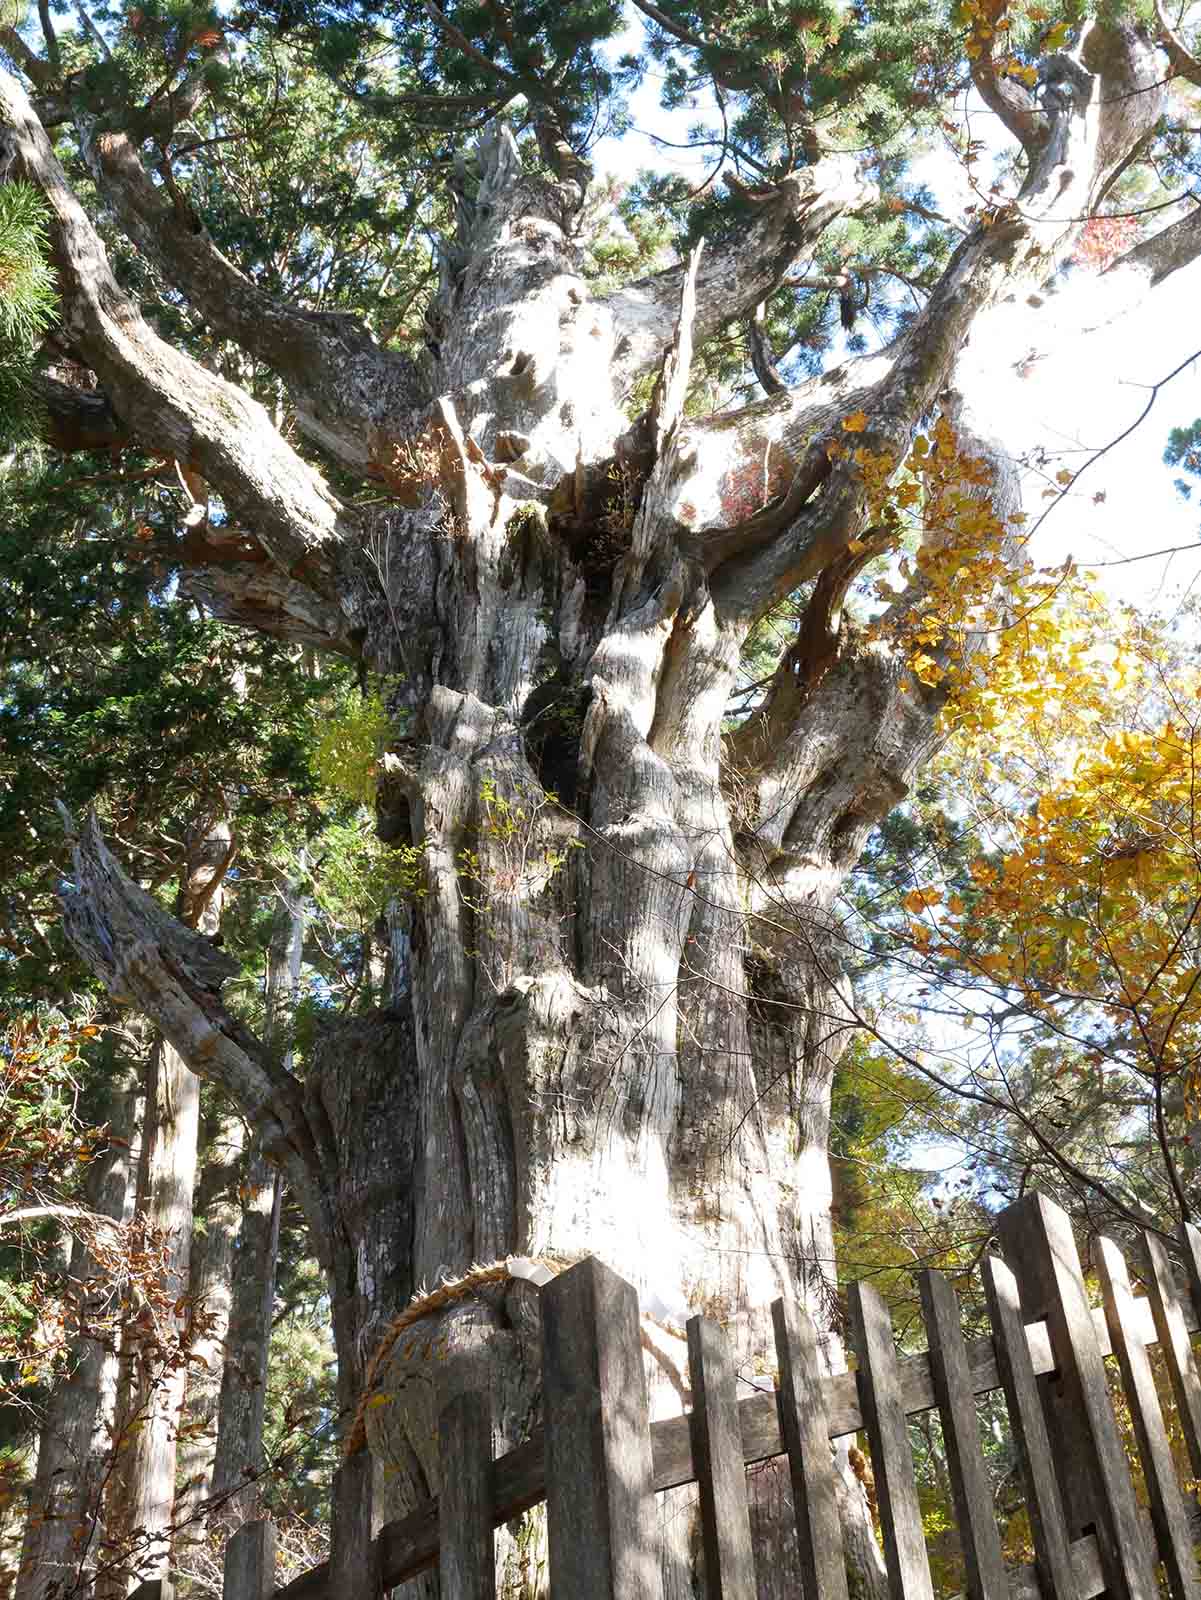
(435, 406)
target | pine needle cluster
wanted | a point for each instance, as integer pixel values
(27, 304)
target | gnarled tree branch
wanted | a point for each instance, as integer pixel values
(353, 398)
(737, 275)
(1184, 63)
(148, 958)
(1175, 246)
(166, 399)
(1009, 100)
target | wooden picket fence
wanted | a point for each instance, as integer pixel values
(598, 1462)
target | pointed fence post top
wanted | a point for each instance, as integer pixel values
(1040, 1247)
(601, 1517)
(250, 1562)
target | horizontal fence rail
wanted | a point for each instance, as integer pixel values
(714, 1443)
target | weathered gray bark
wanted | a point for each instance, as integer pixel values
(141, 1501)
(233, 1280)
(622, 1011)
(16, 1486)
(75, 1445)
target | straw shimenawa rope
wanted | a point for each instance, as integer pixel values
(450, 1290)
(426, 1304)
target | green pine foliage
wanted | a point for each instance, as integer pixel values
(111, 698)
(27, 304)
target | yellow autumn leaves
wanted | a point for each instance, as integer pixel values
(993, 27)
(965, 579)
(1076, 736)
(1092, 905)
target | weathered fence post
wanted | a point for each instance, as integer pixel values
(1028, 1424)
(599, 1478)
(975, 1513)
(250, 1562)
(1094, 1480)
(353, 1557)
(1171, 1327)
(154, 1589)
(806, 1436)
(1168, 1510)
(468, 1560)
(717, 1462)
(879, 1382)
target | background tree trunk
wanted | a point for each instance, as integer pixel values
(219, 1205)
(75, 1444)
(239, 1445)
(140, 1513)
(141, 1502)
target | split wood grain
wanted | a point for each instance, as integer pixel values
(720, 1469)
(892, 1458)
(806, 1435)
(1159, 1472)
(975, 1516)
(600, 1504)
(1094, 1479)
(249, 1570)
(1029, 1428)
(467, 1555)
(354, 1555)
(1171, 1328)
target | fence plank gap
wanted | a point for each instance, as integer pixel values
(892, 1459)
(971, 1491)
(467, 1555)
(1094, 1480)
(806, 1436)
(720, 1472)
(599, 1485)
(1159, 1472)
(1171, 1329)
(1029, 1427)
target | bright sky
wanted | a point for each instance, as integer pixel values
(1074, 402)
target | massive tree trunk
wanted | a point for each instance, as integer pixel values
(623, 1010)
(75, 1445)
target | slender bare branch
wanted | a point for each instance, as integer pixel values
(1184, 63)
(762, 358)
